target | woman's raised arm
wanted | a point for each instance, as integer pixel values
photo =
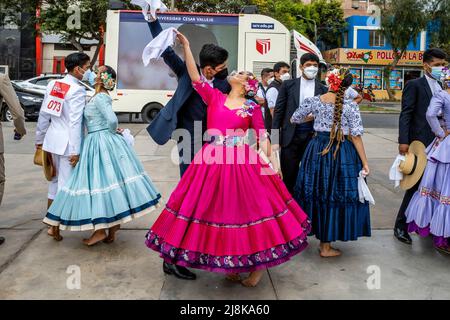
(189, 57)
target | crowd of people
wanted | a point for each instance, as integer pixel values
(229, 213)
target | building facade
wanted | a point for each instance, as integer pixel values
(17, 50)
(51, 51)
(366, 52)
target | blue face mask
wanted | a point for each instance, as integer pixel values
(89, 76)
(436, 72)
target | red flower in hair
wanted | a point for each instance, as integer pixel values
(334, 80)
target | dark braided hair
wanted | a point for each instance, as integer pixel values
(336, 133)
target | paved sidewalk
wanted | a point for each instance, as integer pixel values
(34, 266)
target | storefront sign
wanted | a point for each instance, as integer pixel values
(372, 57)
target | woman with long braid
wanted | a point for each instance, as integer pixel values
(327, 183)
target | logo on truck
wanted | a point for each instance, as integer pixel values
(263, 46)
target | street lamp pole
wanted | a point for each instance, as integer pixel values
(315, 26)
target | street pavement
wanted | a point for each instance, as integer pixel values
(34, 266)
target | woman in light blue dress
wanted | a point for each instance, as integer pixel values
(109, 186)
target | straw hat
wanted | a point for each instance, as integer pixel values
(44, 159)
(47, 163)
(414, 165)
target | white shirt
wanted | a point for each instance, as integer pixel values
(260, 93)
(434, 85)
(307, 89)
(210, 82)
(271, 97)
(351, 94)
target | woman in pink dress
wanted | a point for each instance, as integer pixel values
(230, 212)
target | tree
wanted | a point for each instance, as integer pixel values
(401, 22)
(222, 6)
(328, 14)
(73, 20)
(329, 17)
(439, 28)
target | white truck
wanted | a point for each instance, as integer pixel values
(253, 41)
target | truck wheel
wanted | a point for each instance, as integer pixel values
(150, 111)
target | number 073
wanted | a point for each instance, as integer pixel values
(54, 105)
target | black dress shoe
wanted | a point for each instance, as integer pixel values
(2, 240)
(402, 236)
(178, 271)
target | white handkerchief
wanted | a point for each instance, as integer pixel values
(363, 190)
(153, 5)
(158, 45)
(394, 173)
(126, 134)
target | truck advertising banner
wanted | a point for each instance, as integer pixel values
(134, 35)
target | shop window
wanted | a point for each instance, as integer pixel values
(376, 38)
(356, 73)
(373, 77)
(396, 80)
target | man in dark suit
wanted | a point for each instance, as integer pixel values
(413, 124)
(294, 138)
(186, 108)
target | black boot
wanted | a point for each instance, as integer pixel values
(2, 240)
(178, 271)
(402, 236)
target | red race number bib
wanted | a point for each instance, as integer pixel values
(55, 101)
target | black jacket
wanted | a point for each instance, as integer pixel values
(186, 105)
(413, 123)
(288, 101)
(267, 115)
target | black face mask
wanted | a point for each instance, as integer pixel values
(222, 75)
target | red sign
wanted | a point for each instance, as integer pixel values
(60, 89)
(263, 45)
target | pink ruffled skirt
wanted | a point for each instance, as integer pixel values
(229, 217)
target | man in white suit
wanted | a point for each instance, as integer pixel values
(59, 128)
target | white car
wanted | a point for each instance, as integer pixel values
(39, 84)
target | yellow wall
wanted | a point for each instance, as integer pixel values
(383, 95)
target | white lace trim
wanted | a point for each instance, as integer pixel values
(104, 190)
(100, 226)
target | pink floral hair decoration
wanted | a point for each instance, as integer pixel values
(251, 88)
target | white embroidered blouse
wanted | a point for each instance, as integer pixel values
(324, 113)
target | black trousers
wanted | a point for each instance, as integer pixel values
(290, 158)
(184, 165)
(400, 222)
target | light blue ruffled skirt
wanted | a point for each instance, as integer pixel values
(108, 187)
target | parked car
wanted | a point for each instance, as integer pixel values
(38, 84)
(31, 94)
(30, 101)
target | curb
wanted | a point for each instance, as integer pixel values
(380, 112)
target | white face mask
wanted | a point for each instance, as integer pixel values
(286, 76)
(270, 80)
(311, 72)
